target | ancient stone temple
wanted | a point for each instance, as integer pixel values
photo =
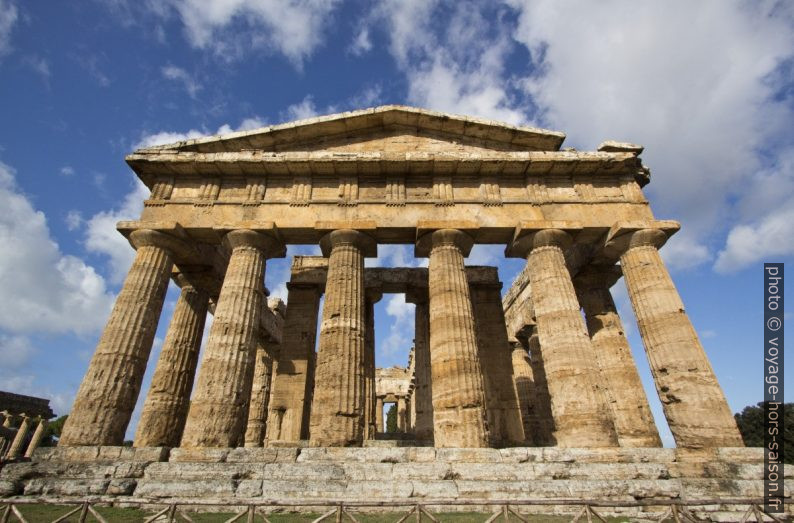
(547, 365)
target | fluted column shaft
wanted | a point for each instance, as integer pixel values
(504, 417)
(401, 414)
(338, 406)
(260, 395)
(35, 441)
(108, 393)
(293, 379)
(693, 402)
(379, 414)
(15, 449)
(546, 428)
(631, 413)
(525, 390)
(459, 416)
(423, 393)
(166, 406)
(217, 415)
(369, 371)
(581, 414)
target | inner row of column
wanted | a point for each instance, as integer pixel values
(470, 407)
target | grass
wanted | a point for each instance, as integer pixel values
(47, 513)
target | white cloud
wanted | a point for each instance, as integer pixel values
(401, 328)
(168, 137)
(52, 292)
(74, 219)
(232, 28)
(15, 351)
(8, 17)
(683, 251)
(460, 69)
(302, 110)
(362, 43)
(39, 66)
(696, 82)
(177, 74)
(102, 237)
(67, 171)
(770, 239)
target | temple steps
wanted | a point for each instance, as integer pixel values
(382, 474)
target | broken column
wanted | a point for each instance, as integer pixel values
(338, 406)
(459, 417)
(166, 405)
(217, 415)
(108, 393)
(631, 413)
(581, 415)
(693, 402)
(15, 450)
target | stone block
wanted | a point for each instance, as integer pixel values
(469, 455)
(10, 487)
(194, 488)
(252, 455)
(384, 489)
(276, 489)
(199, 455)
(74, 487)
(420, 471)
(121, 487)
(249, 488)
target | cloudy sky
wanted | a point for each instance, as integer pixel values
(706, 86)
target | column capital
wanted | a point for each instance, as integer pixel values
(425, 244)
(358, 239)
(628, 235)
(176, 247)
(526, 241)
(271, 246)
(597, 277)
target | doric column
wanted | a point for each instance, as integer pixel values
(423, 393)
(525, 389)
(504, 417)
(379, 414)
(338, 406)
(8, 419)
(16, 446)
(401, 414)
(104, 403)
(165, 408)
(459, 417)
(260, 394)
(372, 296)
(293, 380)
(693, 402)
(619, 377)
(581, 415)
(546, 428)
(38, 434)
(217, 414)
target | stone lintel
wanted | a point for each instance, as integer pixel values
(618, 238)
(518, 247)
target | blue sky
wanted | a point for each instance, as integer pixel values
(706, 87)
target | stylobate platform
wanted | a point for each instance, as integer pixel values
(422, 475)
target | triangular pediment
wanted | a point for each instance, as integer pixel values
(386, 129)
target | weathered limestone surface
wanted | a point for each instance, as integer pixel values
(459, 416)
(260, 395)
(631, 413)
(382, 474)
(107, 395)
(38, 435)
(217, 411)
(166, 405)
(504, 417)
(693, 402)
(581, 416)
(546, 428)
(423, 393)
(369, 367)
(338, 406)
(293, 379)
(15, 450)
(525, 391)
